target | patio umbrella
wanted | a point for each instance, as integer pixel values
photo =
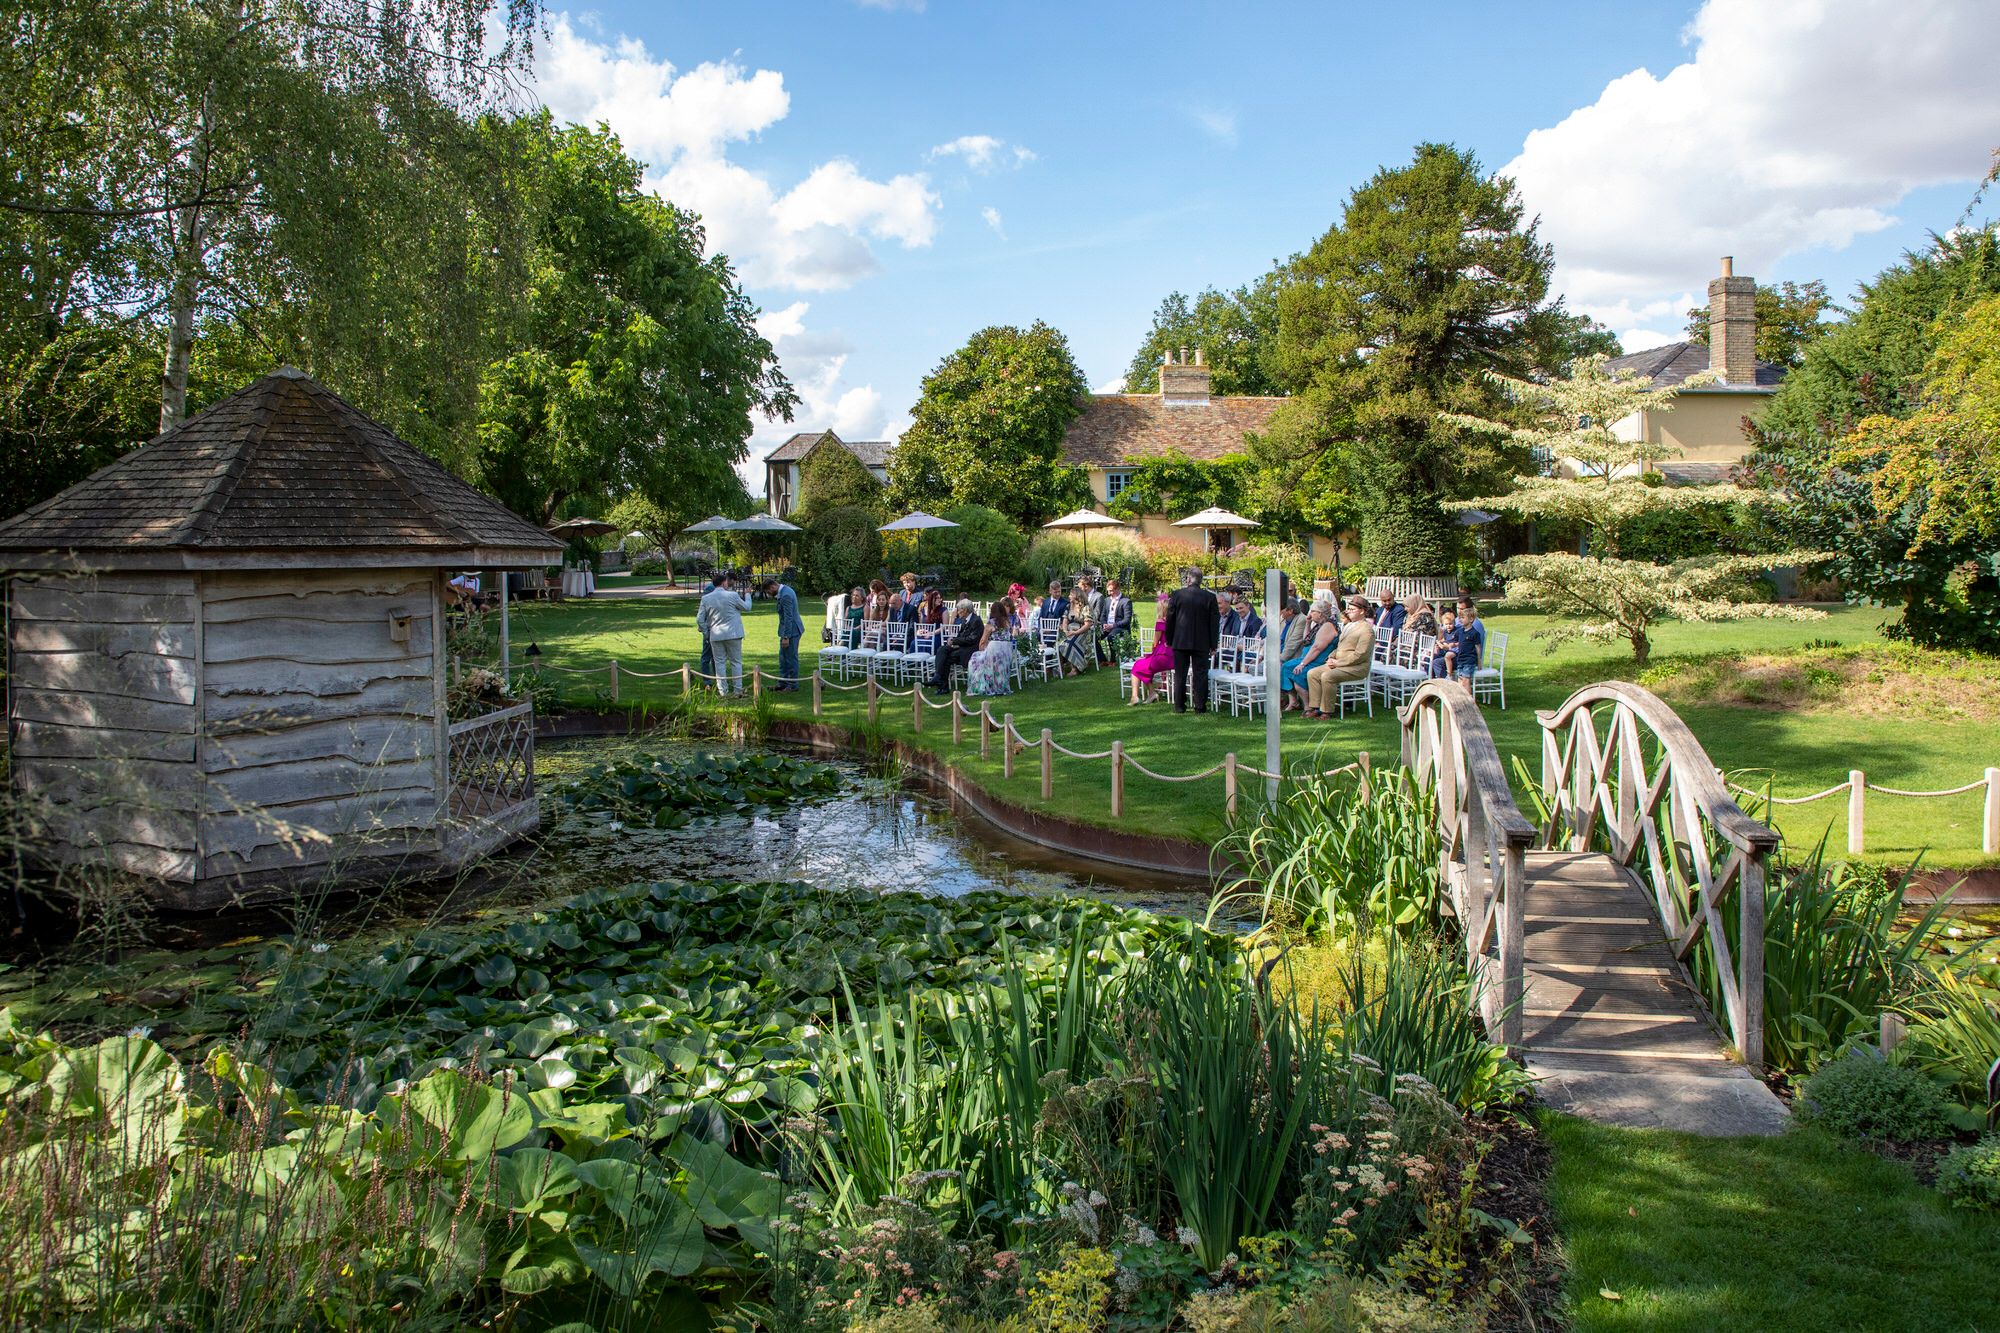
(1083, 520)
(917, 522)
(572, 528)
(713, 523)
(762, 523)
(1212, 518)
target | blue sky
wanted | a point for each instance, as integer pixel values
(889, 177)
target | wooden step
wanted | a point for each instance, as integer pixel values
(1676, 1035)
(1548, 1062)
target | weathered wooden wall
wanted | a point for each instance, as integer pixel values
(319, 731)
(103, 690)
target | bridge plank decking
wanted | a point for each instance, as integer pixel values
(1610, 1025)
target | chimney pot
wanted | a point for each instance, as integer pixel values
(1728, 265)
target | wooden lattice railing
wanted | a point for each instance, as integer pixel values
(1446, 745)
(490, 762)
(1622, 774)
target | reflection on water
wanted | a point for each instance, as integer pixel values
(875, 836)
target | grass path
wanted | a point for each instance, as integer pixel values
(1803, 752)
(1798, 1232)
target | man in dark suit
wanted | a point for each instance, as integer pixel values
(967, 630)
(1193, 620)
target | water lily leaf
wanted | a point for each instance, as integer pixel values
(551, 1071)
(642, 1068)
(553, 1263)
(495, 972)
(725, 1192)
(623, 932)
(669, 1242)
(530, 1177)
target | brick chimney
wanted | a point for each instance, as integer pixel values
(1183, 381)
(1732, 326)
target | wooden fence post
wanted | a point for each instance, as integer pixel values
(1989, 842)
(957, 719)
(985, 731)
(457, 668)
(1117, 779)
(1006, 745)
(1048, 764)
(1229, 786)
(1857, 812)
(614, 680)
(917, 710)
(874, 698)
(817, 705)
(756, 681)
(1367, 787)
(687, 681)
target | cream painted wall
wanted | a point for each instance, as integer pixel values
(1705, 427)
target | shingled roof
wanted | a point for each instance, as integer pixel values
(872, 453)
(1672, 364)
(283, 467)
(1118, 428)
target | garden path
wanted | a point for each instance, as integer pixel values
(1610, 1024)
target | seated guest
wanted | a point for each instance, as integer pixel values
(1292, 637)
(1242, 619)
(957, 648)
(878, 601)
(1445, 656)
(991, 670)
(1158, 662)
(1352, 657)
(1389, 618)
(1114, 620)
(909, 603)
(1074, 647)
(1320, 637)
(1417, 616)
(1055, 606)
(932, 610)
(857, 611)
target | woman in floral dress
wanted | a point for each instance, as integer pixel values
(991, 670)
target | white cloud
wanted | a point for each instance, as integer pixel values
(1795, 125)
(992, 216)
(815, 361)
(1218, 123)
(983, 152)
(1116, 384)
(813, 236)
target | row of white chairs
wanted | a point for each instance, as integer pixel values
(1403, 663)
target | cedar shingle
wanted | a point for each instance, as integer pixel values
(284, 465)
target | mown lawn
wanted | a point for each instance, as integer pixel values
(1802, 752)
(1667, 1231)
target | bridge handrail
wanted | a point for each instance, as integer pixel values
(1683, 751)
(1445, 743)
(1606, 790)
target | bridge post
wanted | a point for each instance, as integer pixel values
(1989, 841)
(1513, 941)
(1857, 812)
(1750, 958)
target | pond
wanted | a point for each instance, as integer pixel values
(876, 834)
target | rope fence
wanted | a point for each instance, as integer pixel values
(1013, 742)
(1858, 786)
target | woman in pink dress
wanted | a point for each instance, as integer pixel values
(1153, 663)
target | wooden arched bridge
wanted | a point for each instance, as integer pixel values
(1607, 935)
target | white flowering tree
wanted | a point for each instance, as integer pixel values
(1602, 483)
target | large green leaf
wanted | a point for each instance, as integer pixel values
(476, 1120)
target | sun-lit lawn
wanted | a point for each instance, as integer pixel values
(1802, 752)
(1671, 1232)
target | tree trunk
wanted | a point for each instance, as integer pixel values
(180, 321)
(1642, 647)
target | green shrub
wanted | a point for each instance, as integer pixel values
(1970, 1174)
(1298, 566)
(839, 549)
(1061, 555)
(833, 478)
(1412, 1014)
(1324, 860)
(1954, 1034)
(651, 566)
(1860, 1095)
(981, 554)
(1412, 537)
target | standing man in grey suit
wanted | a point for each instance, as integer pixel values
(1193, 622)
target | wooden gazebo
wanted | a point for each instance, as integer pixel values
(226, 657)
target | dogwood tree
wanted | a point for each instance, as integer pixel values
(1600, 483)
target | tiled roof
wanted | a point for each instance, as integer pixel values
(1697, 474)
(1116, 428)
(1672, 364)
(872, 453)
(284, 465)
